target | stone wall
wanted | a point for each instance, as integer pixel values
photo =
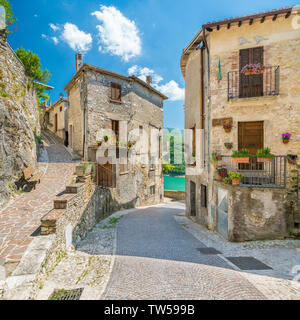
(255, 213)
(178, 195)
(19, 118)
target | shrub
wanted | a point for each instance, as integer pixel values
(265, 153)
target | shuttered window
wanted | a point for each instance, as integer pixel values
(251, 85)
(116, 92)
(115, 130)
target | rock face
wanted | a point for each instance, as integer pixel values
(19, 118)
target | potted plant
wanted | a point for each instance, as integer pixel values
(292, 158)
(222, 174)
(227, 127)
(227, 180)
(264, 155)
(106, 138)
(242, 156)
(235, 177)
(253, 69)
(99, 143)
(228, 145)
(286, 137)
(216, 156)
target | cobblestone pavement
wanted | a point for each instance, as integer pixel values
(156, 258)
(151, 253)
(21, 217)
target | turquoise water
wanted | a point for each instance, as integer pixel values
(174, 183)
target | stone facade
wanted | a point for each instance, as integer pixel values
(57, 118)
(279, 114)
(91, 112)
(19, 119)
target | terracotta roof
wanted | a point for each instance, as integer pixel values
(113, 74)
(215, 25)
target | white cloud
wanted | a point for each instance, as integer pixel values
(78, 40)
(117, 34)
(55, 40)
(53, 27)
(44, 36)
(170, 89)
(36, 15)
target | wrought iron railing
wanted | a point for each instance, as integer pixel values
(272, 173)
(266, 84)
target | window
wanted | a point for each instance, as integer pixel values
(60, 109)
(203, 196)
(152, 190)
(116, 92)
(152, 163)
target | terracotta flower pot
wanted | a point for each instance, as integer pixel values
(285, 141)
(251, 73)
(228, 146)
(264, 159)
(227, 130)
(241, 160)
(219, 158)
(236, 182)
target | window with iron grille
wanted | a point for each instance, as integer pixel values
(203, 196)
(116, 92)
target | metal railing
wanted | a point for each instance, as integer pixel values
(266, 84)
(271, 174)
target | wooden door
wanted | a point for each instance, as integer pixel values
(106, 175)
(251, 137)
(251, 86)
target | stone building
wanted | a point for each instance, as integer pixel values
(130, 112)
(259, 108)
(56, 117)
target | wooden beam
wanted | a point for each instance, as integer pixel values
(275, 17)
(262, 19)
(218, 27)
(240, 23)
(209, 29)
(251, 22)
(228, 26)
(288, 14)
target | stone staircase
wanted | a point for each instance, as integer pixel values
(60, 204)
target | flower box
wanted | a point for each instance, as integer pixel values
(241, 160)
(264, 159)
(236, 181)
(252, 73)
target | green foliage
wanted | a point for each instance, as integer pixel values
(3, 94)
(33, 69)
(227, 180)
(235, 175)
(106, 138)
(244, 153)
(168, 168)
(9, 15)
(265, 153)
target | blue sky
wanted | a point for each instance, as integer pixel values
(140, 36)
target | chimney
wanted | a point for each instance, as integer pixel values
(149, 80)
(78, 61)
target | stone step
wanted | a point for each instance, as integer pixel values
(75, 188)
(48, 221)
(61, 202)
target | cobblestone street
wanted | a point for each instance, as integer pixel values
(20, 219)
(152, 253)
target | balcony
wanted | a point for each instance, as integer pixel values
(266, 84)
(268, 174)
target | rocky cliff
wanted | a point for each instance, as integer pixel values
(19, 119)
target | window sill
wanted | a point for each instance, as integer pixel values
(115, 101)
(124, 173)
(254, 100)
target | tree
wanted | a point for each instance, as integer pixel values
(33, 69)
(9, 16)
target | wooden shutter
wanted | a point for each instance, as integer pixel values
(115, 130)
(194, 140)
(251, 86)
(116, 92)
